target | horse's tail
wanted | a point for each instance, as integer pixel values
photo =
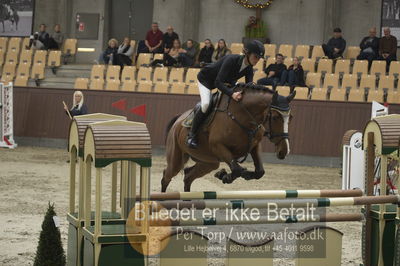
(169, 126)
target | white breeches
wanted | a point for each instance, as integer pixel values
(205, 96)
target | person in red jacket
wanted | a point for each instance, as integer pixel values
(154, 40)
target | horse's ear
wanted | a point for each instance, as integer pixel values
(291, 96)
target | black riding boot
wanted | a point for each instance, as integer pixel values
(197, 121)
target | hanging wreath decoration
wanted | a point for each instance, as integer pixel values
(249, 4)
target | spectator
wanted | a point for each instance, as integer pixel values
(35, 43)
(56, 39)
(154, 40)
(78, 107)
(169, 38)
(335, 47)
(220, 51)
(296, 74)
(187, 55)
(110, 54)
(124, 53)
(44, 36)
(206, 53)
(172, 57)
(369, 47)
(276, 73)
(387, 47)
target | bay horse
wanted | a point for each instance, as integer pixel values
(235, 131)
(9, 13)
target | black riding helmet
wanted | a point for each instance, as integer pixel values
(255, 47)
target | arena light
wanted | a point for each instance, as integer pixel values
(86, 50)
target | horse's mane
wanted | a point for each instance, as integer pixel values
(252, 86)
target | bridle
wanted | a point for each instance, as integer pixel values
(269, 133)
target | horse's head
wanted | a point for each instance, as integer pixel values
(277, 124)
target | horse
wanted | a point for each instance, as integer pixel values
(9, 13)
(235, 131)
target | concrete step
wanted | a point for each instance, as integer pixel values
(57, 79)
(59, 85)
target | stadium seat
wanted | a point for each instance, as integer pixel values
(128, 85)
(308, 65)
(81, 83)
(143, 59)
(40, 57)
(259, 65)
(393, 97)
(349, 82)
(3, 43)
(325, 66)
(342, 66)
(288, 61)
(8, 72)
(191, 75)
(158, 57)
(113, 84)
(301, 93)
(12, 57)
(97, 72)
(25, 44)
(144, 86)
(69, 47)
(352, 52)
(320, 94)
(193, 89)
(394, 69)
(283, 90)
(201, 45)
(128, 73)
(338, 95)
(178, 88)
(23, 70)
(38, 71)
(14, 45)
(54, 59)
(360, 67)
(367, 81)
(96, 84)
(144, 74)
(356, 95)
(258, 75)
(2, 57)
(236, 48)
(302, 52)
(313, 80)
(386, 83)
(270, 50)
(331, 81)
(26, 57)
(161, 87)
(160, 74)
(270, 60)
(113, 73)
(317, 52)
(375, 95)
(286, 50)
(21, 81)
(176, 75)
(378, 68)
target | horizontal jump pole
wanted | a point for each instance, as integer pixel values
(197, 221)
(256, 194)
(284, 203)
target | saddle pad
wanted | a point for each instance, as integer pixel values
(216, 98)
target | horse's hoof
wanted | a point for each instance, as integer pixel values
(221, 174)
(247, 175)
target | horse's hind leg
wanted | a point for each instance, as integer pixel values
(198, 170)
(175, 163)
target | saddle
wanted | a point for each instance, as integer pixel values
(212, 109)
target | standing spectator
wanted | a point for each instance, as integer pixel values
(172, 57)
(154, 40)
(124, 53)
(110, 54)
(388, 48)
(44, 36)
(187, 56)
(369, 47)
(206, 53)
(56, 39)
(276, 73)
(169, 38)
(296, 74)
(34, 42)
(78, 107)
(220, 51)
(335, 47)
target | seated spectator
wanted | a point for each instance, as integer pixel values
(172, 57)
(110, 54)
(169, 38)
(276, 73)
(220, 51)
(78, 107)
(44, 36)
(154, 40)
(124, 53)
(295, 75)
(369, 47)
(56, 39)
(335, 47)
(206, 53)
(387, 47)
(34, 42)
(188, 54)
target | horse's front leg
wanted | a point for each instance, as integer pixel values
(225, 155)
(258, 165)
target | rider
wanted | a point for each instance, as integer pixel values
(228, 69)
